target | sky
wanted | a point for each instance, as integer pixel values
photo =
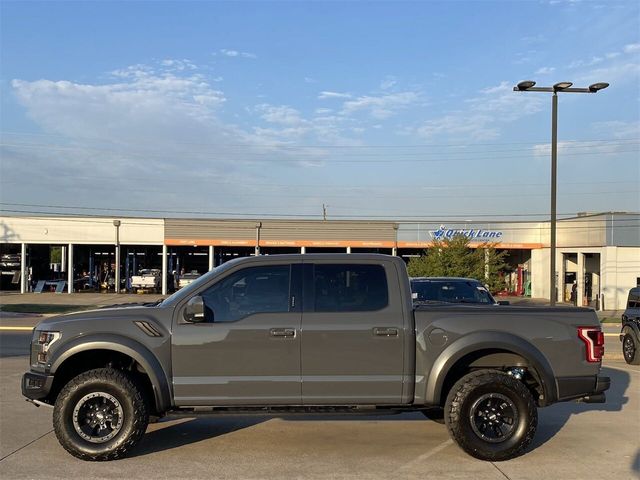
(391, 110)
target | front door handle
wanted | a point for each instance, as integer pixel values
(282, 332)
(385, 332)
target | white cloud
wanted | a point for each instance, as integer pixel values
(179, 65)
(484, 116)
(282, 115)
(389, 82)
(618, 129)
(632, 48)
(615, 73)
(474, 127)
(589, 63)
(326, 95)
(236, 53)
(382, 106)
(575, 148)
(545, 71)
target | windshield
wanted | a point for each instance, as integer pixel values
(451, 291)
(195, 284)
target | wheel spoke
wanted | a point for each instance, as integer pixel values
(493, 417)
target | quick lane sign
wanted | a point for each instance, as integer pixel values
(471, 233)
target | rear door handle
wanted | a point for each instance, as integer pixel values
(282, 332)
(385, 332)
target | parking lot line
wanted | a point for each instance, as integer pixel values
(16, 329)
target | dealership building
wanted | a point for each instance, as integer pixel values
(600, 252)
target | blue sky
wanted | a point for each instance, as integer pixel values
(273, 108)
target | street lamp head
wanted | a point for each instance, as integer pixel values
(525, 84)
(562, 86)
(116, 223)
(598, 86)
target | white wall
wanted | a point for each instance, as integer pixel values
(81, 230)
(540, 273)
(620, 269)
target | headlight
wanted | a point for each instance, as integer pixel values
(45, 340)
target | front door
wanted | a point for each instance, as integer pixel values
(353, 334)
(247, 351)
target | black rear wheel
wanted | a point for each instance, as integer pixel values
(491, 415)
(630, 349)
(100, 415)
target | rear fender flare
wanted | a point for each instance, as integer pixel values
(490, 340)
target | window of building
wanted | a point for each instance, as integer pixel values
(247, 292)
(350, 288)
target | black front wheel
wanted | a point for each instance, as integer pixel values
(100, 415)
(491, 415)
(630, 349)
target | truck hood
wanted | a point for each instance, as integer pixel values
(112, 314)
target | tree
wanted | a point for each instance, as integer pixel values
(454, 258)
(490, 266)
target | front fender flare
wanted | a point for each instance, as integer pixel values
(490, 340)
(127, 346)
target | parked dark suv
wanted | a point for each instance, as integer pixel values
(451, 290)
(630, 334)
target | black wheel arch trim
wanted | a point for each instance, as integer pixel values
(127, 346)
(630, 327)
(490, 340)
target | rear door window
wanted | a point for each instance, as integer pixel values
(349, 288)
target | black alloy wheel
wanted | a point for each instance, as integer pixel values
(630, 349)
(491, 415)
(101, 414)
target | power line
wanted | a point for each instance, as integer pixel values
(435, 218)
(321, 156)
(191, 181)
(348, 146)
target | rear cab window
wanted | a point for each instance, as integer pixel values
(349, 288)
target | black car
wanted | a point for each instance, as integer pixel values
(451, 290)
(630, 334)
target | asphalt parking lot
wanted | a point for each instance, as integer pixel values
(574, 441)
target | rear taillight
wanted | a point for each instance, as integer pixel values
(594, 341)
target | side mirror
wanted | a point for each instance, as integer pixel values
(194, 311)
(504, 302)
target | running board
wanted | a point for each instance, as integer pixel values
(286, 410)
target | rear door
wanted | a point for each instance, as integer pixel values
(352, 334)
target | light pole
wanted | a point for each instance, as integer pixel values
(116, 223)
(529, 86)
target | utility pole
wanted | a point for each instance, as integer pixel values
(324, 211)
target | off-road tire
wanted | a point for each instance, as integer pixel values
(475, 386)
(120, 386)
(632, 356)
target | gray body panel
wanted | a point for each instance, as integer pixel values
(114, 329)
(333, 358)
(345, 361)
(547, 337)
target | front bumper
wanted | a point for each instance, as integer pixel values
(587, 389)
(36, 386)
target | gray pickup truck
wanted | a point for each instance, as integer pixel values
(311, 334)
